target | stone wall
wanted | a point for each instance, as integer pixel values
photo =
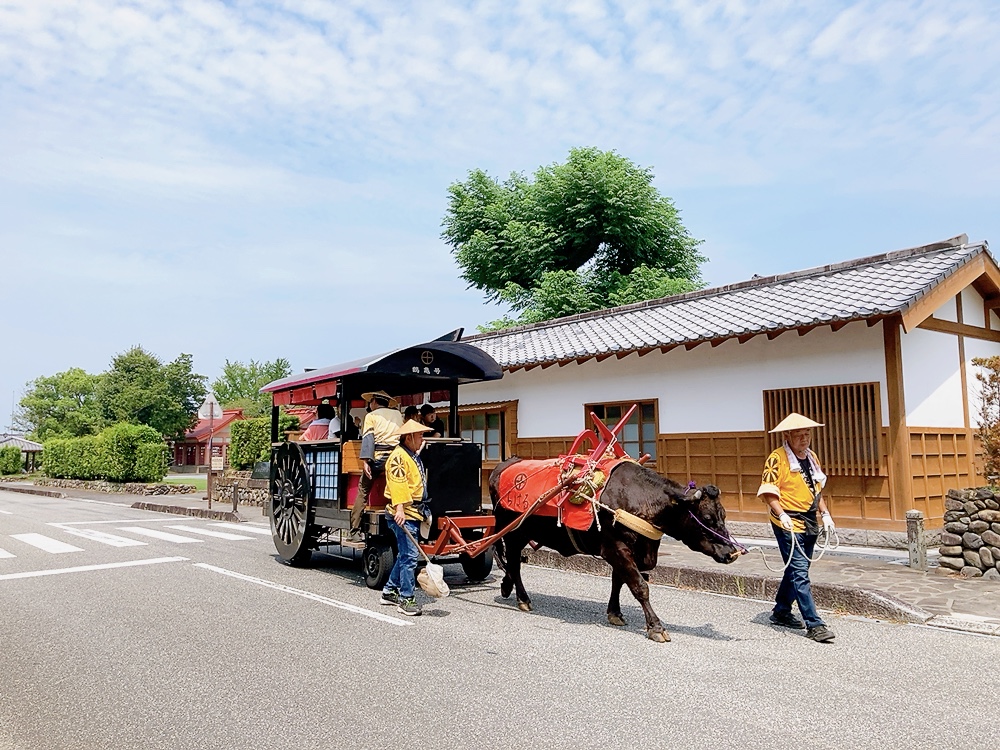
(251, 492)
(127, 488)
(970, 541)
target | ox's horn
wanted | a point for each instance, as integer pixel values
(697, 495)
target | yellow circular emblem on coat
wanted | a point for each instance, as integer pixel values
(770, 475)
(396, 469)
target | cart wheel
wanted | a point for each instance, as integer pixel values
(477, 568)
(377, 561)
(291, 512)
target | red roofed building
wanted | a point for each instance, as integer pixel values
(191, 451)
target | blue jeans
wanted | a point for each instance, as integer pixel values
(401, 578)
(794, 585)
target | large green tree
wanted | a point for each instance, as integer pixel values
(594, 221)
(61, 405)
(239, 385)
(140, 389)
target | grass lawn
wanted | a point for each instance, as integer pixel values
(197, 480)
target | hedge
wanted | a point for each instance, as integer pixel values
(250, 439)
(10, 460)
(121, 453)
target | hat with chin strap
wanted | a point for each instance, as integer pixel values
(795, 421)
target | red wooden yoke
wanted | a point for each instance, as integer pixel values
(575, 468)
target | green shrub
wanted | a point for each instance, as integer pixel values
(73, 458)
(151, 462)
(121, 443)
(249, 441)
(10, 460)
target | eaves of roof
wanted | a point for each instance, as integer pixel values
(869, 289)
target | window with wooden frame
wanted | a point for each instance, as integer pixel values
(638, 436)
(485, 428)
(850, 442)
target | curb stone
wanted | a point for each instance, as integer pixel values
(35, 491)
(844, 599)
(180, 510)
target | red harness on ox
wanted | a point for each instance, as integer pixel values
(524, 482)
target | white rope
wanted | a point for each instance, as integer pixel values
(824, 548)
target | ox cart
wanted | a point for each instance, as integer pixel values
(314, 484)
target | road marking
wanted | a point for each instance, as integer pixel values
(166, 536)
(244, 527)
(103, 538)
(307, 595)
(85, 568)
(4, 553)
(45, 543)
(123, 520)
(7, 512)
(208, 532)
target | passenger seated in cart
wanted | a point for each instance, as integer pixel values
(326, 426)
(429, 417)
(378, 437)
(406, 492)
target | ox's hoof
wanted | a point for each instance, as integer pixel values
(616, 620)
(660, 636)
(524, 606)
(506, 587)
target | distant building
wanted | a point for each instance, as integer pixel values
(191, 451)
(31, 452)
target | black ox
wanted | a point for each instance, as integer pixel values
(696, 518)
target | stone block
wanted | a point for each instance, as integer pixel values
(992, 504)
(950, 516)
(970, 572)
(954, 563)
(949, 540)
(978, 527)
(961, 495)
(983, 493)
(995, 527)
(970, 507)
(990, 516)
(972, 559)
(965, 519)
(972, 541)
(951, 550)
(991, 538)
(886, 539)
(956, 528)
(986, 555)
(992, 574)
(951, 503)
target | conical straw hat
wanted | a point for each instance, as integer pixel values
(795, 421)
(412, 425)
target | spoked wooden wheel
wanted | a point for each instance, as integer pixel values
(291, 522)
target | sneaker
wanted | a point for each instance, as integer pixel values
(409, 607)
(786, 620)
(820, 634)
(389, 598)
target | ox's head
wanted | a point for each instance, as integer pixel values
(702, 524)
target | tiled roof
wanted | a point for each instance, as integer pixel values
(200, 432)
(862, 289)
(26, 446)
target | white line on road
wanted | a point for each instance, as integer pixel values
(109, 539)
(307, 595)
(85, 568)
(7, 512)
(208, 532)
(45, 543)
(166, 536)
(122, 520)
(244, 527)
(4, 553)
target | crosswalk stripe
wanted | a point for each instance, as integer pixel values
(104, 538)
(208, 532)
(245, 527)
(7, 512)
(5, 553)
(45, 543)
(157, 534)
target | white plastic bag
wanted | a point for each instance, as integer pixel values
(431, 580)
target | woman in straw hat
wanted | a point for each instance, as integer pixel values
(406, 491)
(791, 485)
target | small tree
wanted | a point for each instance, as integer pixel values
(989, 414)
(10, 460)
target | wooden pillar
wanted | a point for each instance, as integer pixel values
(900, 471)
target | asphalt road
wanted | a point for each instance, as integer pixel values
(211, 643)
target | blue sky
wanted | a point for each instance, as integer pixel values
(231, 179)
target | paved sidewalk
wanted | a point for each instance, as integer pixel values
(861, 581)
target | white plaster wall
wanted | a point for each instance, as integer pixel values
(703, 390)
(932, 382)
(976, 348)
(947, 311)
(973, 310)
